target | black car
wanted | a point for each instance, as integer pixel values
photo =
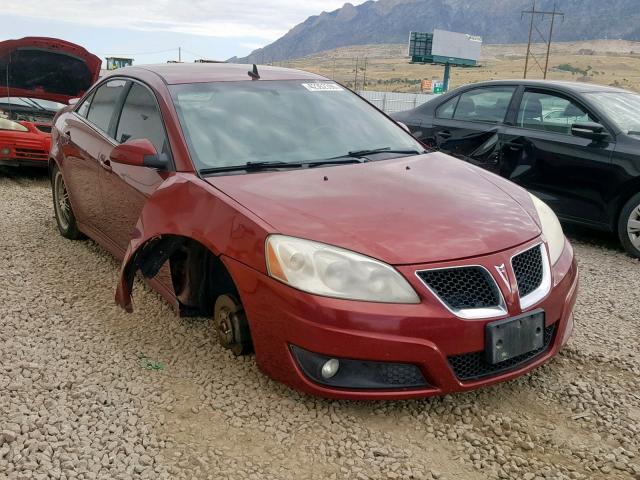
(574, 145)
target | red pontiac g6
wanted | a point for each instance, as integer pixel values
(314, 229)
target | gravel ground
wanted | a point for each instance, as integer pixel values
(88, 391)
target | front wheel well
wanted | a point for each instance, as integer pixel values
(197, 275)
(629, 190)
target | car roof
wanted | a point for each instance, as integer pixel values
(576, 87)
(176, 73)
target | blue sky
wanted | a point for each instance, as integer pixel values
(151, 32)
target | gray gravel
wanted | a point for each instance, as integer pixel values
(88, 391)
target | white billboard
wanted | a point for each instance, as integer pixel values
(456, 45)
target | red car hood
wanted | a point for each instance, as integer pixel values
(411, 210)
(46, 68)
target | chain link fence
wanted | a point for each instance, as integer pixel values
(390, 102)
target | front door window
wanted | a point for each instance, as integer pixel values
(550, 112)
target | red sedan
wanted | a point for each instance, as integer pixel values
(38, 76)
(314, 229)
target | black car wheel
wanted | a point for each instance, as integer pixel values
(629, 226)
(65, 218)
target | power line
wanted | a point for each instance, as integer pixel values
(542, 16)
(197, 55)
(140, 53)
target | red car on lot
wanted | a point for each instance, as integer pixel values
(314, 230)
(37, 77)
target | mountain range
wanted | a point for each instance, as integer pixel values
(497, 21)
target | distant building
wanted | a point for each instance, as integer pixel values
(118, 62)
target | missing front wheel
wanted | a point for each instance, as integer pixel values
(232, 327)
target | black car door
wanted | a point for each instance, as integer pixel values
(540, 153)
(468, 125)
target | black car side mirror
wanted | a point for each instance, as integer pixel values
(591, 130)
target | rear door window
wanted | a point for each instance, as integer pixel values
(83, 109)
(104, 104)
(550, 112)
(489, 104)
(445, 111)
(140, 118)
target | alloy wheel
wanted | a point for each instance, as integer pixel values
(62, 205)
(633, 227)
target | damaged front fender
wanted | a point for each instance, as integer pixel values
(186, 208)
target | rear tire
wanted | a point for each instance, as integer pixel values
(65, 219)
(629, 226)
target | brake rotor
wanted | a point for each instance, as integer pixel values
(232, 327)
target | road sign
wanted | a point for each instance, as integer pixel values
(426, 85)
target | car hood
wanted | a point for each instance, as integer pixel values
(409, 210)
(46, 68)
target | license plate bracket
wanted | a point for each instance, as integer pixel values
(511, 337)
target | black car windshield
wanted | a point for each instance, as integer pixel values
(622, 108)
(233, 123)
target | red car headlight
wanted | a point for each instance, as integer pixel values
(6, 124)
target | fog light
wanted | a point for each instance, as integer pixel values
(358, 374)
(330, 368)
(5, 151)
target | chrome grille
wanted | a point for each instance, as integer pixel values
(463, 288)
(528, 269)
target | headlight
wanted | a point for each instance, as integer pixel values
(334, 272)
(6, 124)
(551, 229)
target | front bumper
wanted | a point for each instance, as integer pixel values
(20, 162)
(25, 149)
(425, 334)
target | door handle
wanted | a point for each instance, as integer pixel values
(444, 134)
(104, 162)
(67, 133)
(514, 146)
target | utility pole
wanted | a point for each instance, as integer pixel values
(542, 16)
(179, 54)
(553, 18)
(355, 79)
(364, 76)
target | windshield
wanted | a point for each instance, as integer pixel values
(622, 108)
(232, 123)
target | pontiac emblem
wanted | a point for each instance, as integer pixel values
(502, 271)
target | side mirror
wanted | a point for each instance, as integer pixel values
(139, 153)
(404, 126)
(590, 130)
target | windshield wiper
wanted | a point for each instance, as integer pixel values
(334, 161)
(251, 167)
(365, 153)
(36, 104)
(257, 166)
